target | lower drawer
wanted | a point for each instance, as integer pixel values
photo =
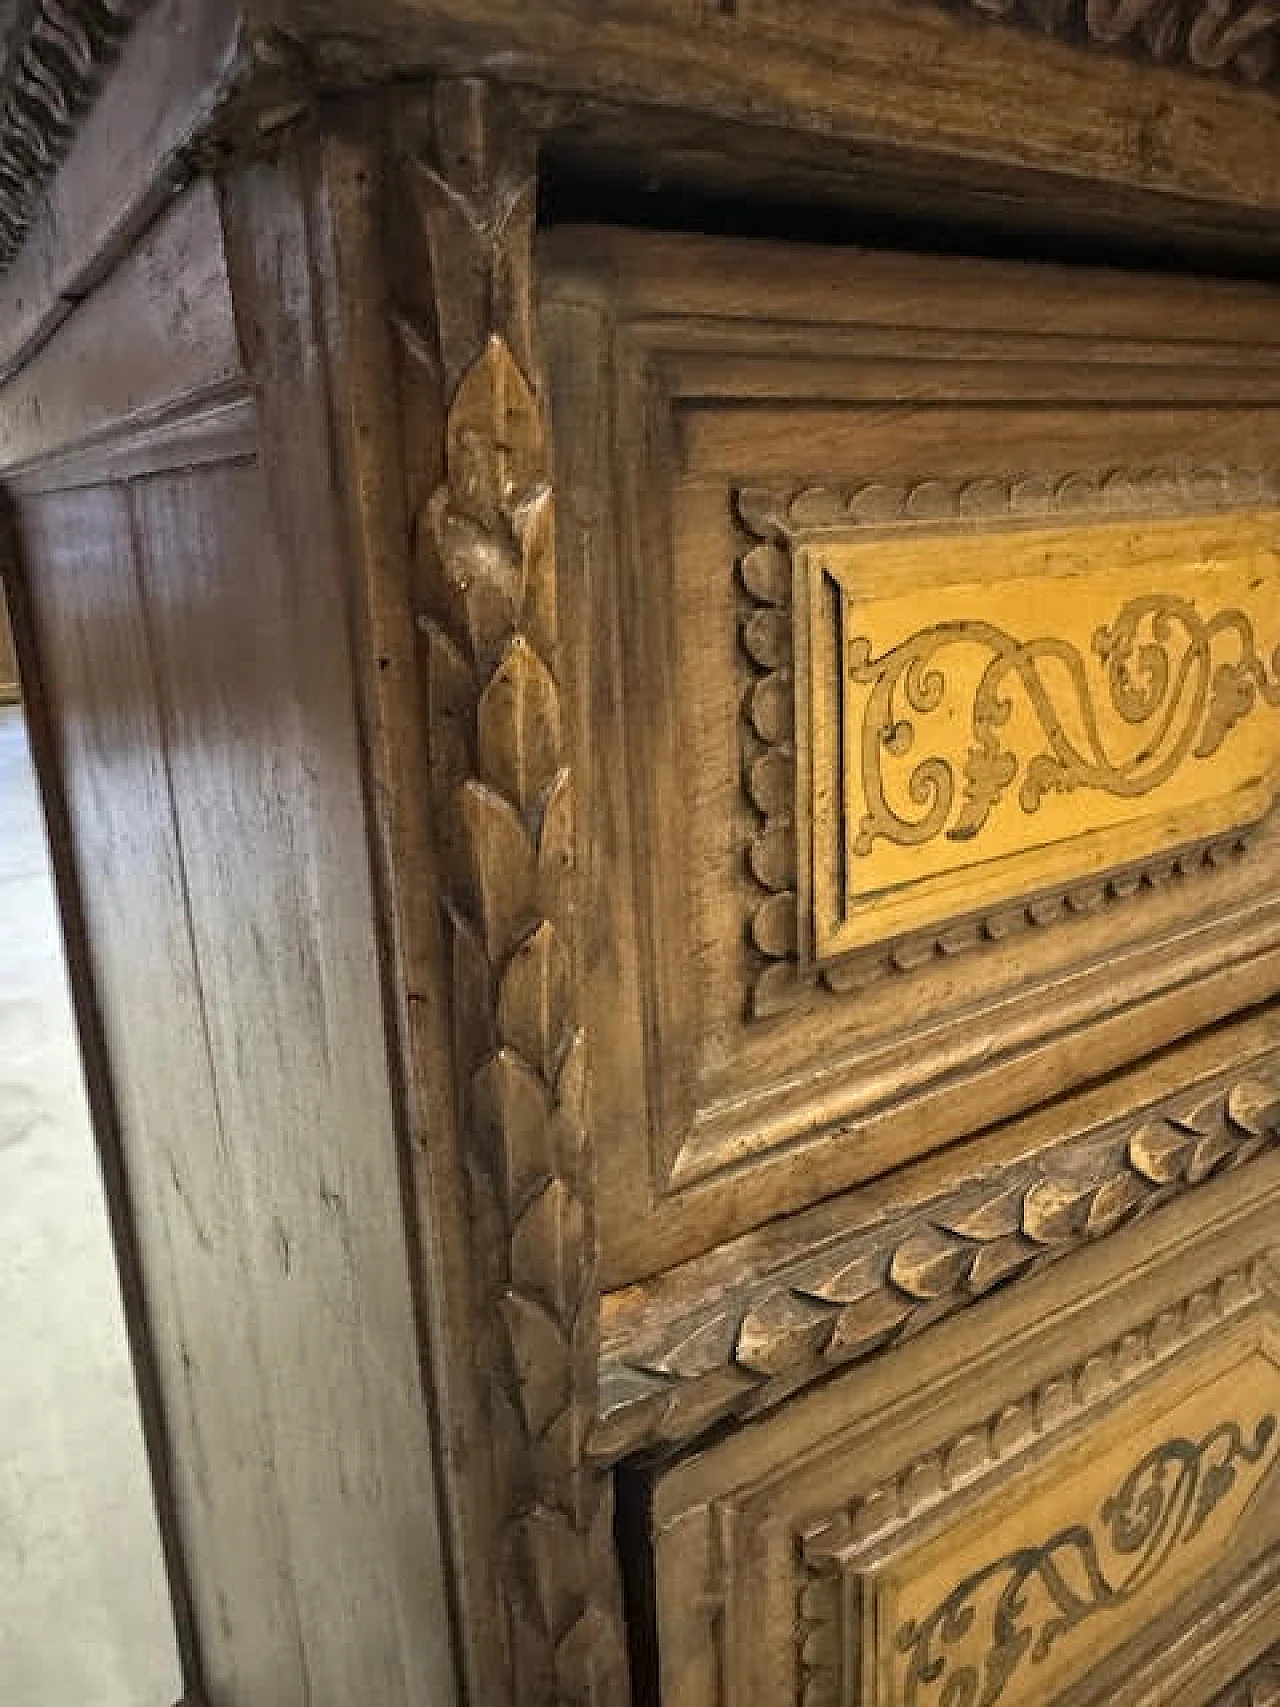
(1068, 1498)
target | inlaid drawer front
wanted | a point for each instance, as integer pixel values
(976, 714)
(926, 696)
(1063, 1510)
(1021, 1595)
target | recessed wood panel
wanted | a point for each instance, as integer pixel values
(1024, 1594)
(990, 715)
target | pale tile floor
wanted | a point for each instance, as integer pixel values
(84, 1617)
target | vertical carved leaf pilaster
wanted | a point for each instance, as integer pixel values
(502, 810)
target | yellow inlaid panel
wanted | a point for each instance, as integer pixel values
(985, 715)
(1023, 1596)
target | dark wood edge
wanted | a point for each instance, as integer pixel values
(103, 1114)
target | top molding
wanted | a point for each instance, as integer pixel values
(61, 52)
(1021, 103)
(1238, 37)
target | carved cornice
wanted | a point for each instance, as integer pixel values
(59, 56)
(502, 811)
(776, 980)
(738, 1350)
(1240, 38)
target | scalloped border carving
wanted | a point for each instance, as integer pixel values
(772, 522)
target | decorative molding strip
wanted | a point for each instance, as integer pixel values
(502, 808)
(56, 66)
(1047, 1408)
(1238, 37)
(777, 982)
(737, 1351)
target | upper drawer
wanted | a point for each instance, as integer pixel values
(925, 630)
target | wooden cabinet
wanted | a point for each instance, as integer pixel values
(655, 650)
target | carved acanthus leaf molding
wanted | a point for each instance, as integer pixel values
(484, 545)
(776, 980)
(55, 68)
(1239, 37)
(738, 1350)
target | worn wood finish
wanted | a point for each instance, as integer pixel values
(124, 162)
(56, 61)
(208, 752)
(521, 1098)
(985, 97)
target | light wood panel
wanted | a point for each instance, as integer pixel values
(188, 634)
(97, 680)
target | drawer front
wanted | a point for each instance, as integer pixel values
(1070, 1498)
(930, 711)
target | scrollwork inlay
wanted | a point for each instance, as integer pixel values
(1082, 1571)
(1178, 680)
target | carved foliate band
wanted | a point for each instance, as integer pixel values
(502, 811)
(52, 74)
(1240, 37)
(738, 1351)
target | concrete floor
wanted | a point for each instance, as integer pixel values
(84, 1615)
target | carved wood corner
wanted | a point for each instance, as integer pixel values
(55, 68)
(483, 544)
